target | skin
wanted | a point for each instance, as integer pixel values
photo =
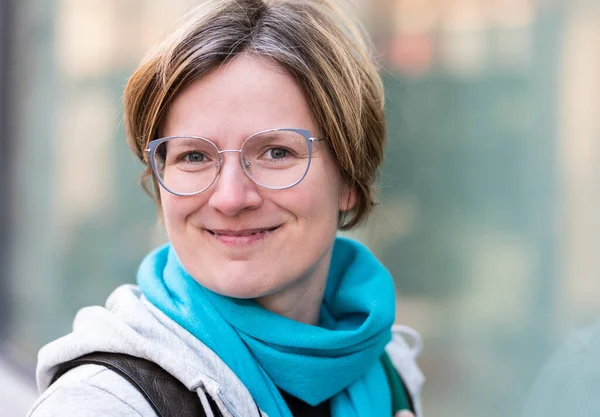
(284, 270)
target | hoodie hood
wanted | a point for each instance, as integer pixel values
(130, 324)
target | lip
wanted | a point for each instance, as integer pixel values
(241, 232)
(241, 237)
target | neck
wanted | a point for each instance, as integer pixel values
(301, 300)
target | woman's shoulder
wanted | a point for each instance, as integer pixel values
(91, 390)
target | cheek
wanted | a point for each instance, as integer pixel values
(315, 199)
(327, 185)
(176, 209)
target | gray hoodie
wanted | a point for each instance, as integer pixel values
(132, 325)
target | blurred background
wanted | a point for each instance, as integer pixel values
(490, 214)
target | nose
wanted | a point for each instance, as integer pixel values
(233, 191)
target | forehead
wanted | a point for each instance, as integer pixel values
(244, 96)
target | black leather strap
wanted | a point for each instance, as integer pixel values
(165, 393)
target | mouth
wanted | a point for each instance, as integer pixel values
(237, 233)
(242, 237)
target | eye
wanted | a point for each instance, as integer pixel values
(276, 153)
(194, 157)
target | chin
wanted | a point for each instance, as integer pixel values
(242, 292)
(242, 285)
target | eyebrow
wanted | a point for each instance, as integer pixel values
(187, 141)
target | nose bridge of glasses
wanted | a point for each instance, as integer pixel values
(244, 163)
(230, 150)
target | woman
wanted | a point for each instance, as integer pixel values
(261, 124)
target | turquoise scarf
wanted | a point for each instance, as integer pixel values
(338, 360)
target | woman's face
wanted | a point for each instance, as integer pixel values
(293, 229)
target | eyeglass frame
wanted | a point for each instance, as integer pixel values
(153, 144)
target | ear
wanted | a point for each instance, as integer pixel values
(347, 199)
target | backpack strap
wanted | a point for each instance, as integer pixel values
(167, 396)
(401, 400)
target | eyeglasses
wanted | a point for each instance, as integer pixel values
(275, 159)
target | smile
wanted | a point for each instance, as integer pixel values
(244, 237)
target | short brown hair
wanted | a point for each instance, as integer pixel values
(315, 41)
